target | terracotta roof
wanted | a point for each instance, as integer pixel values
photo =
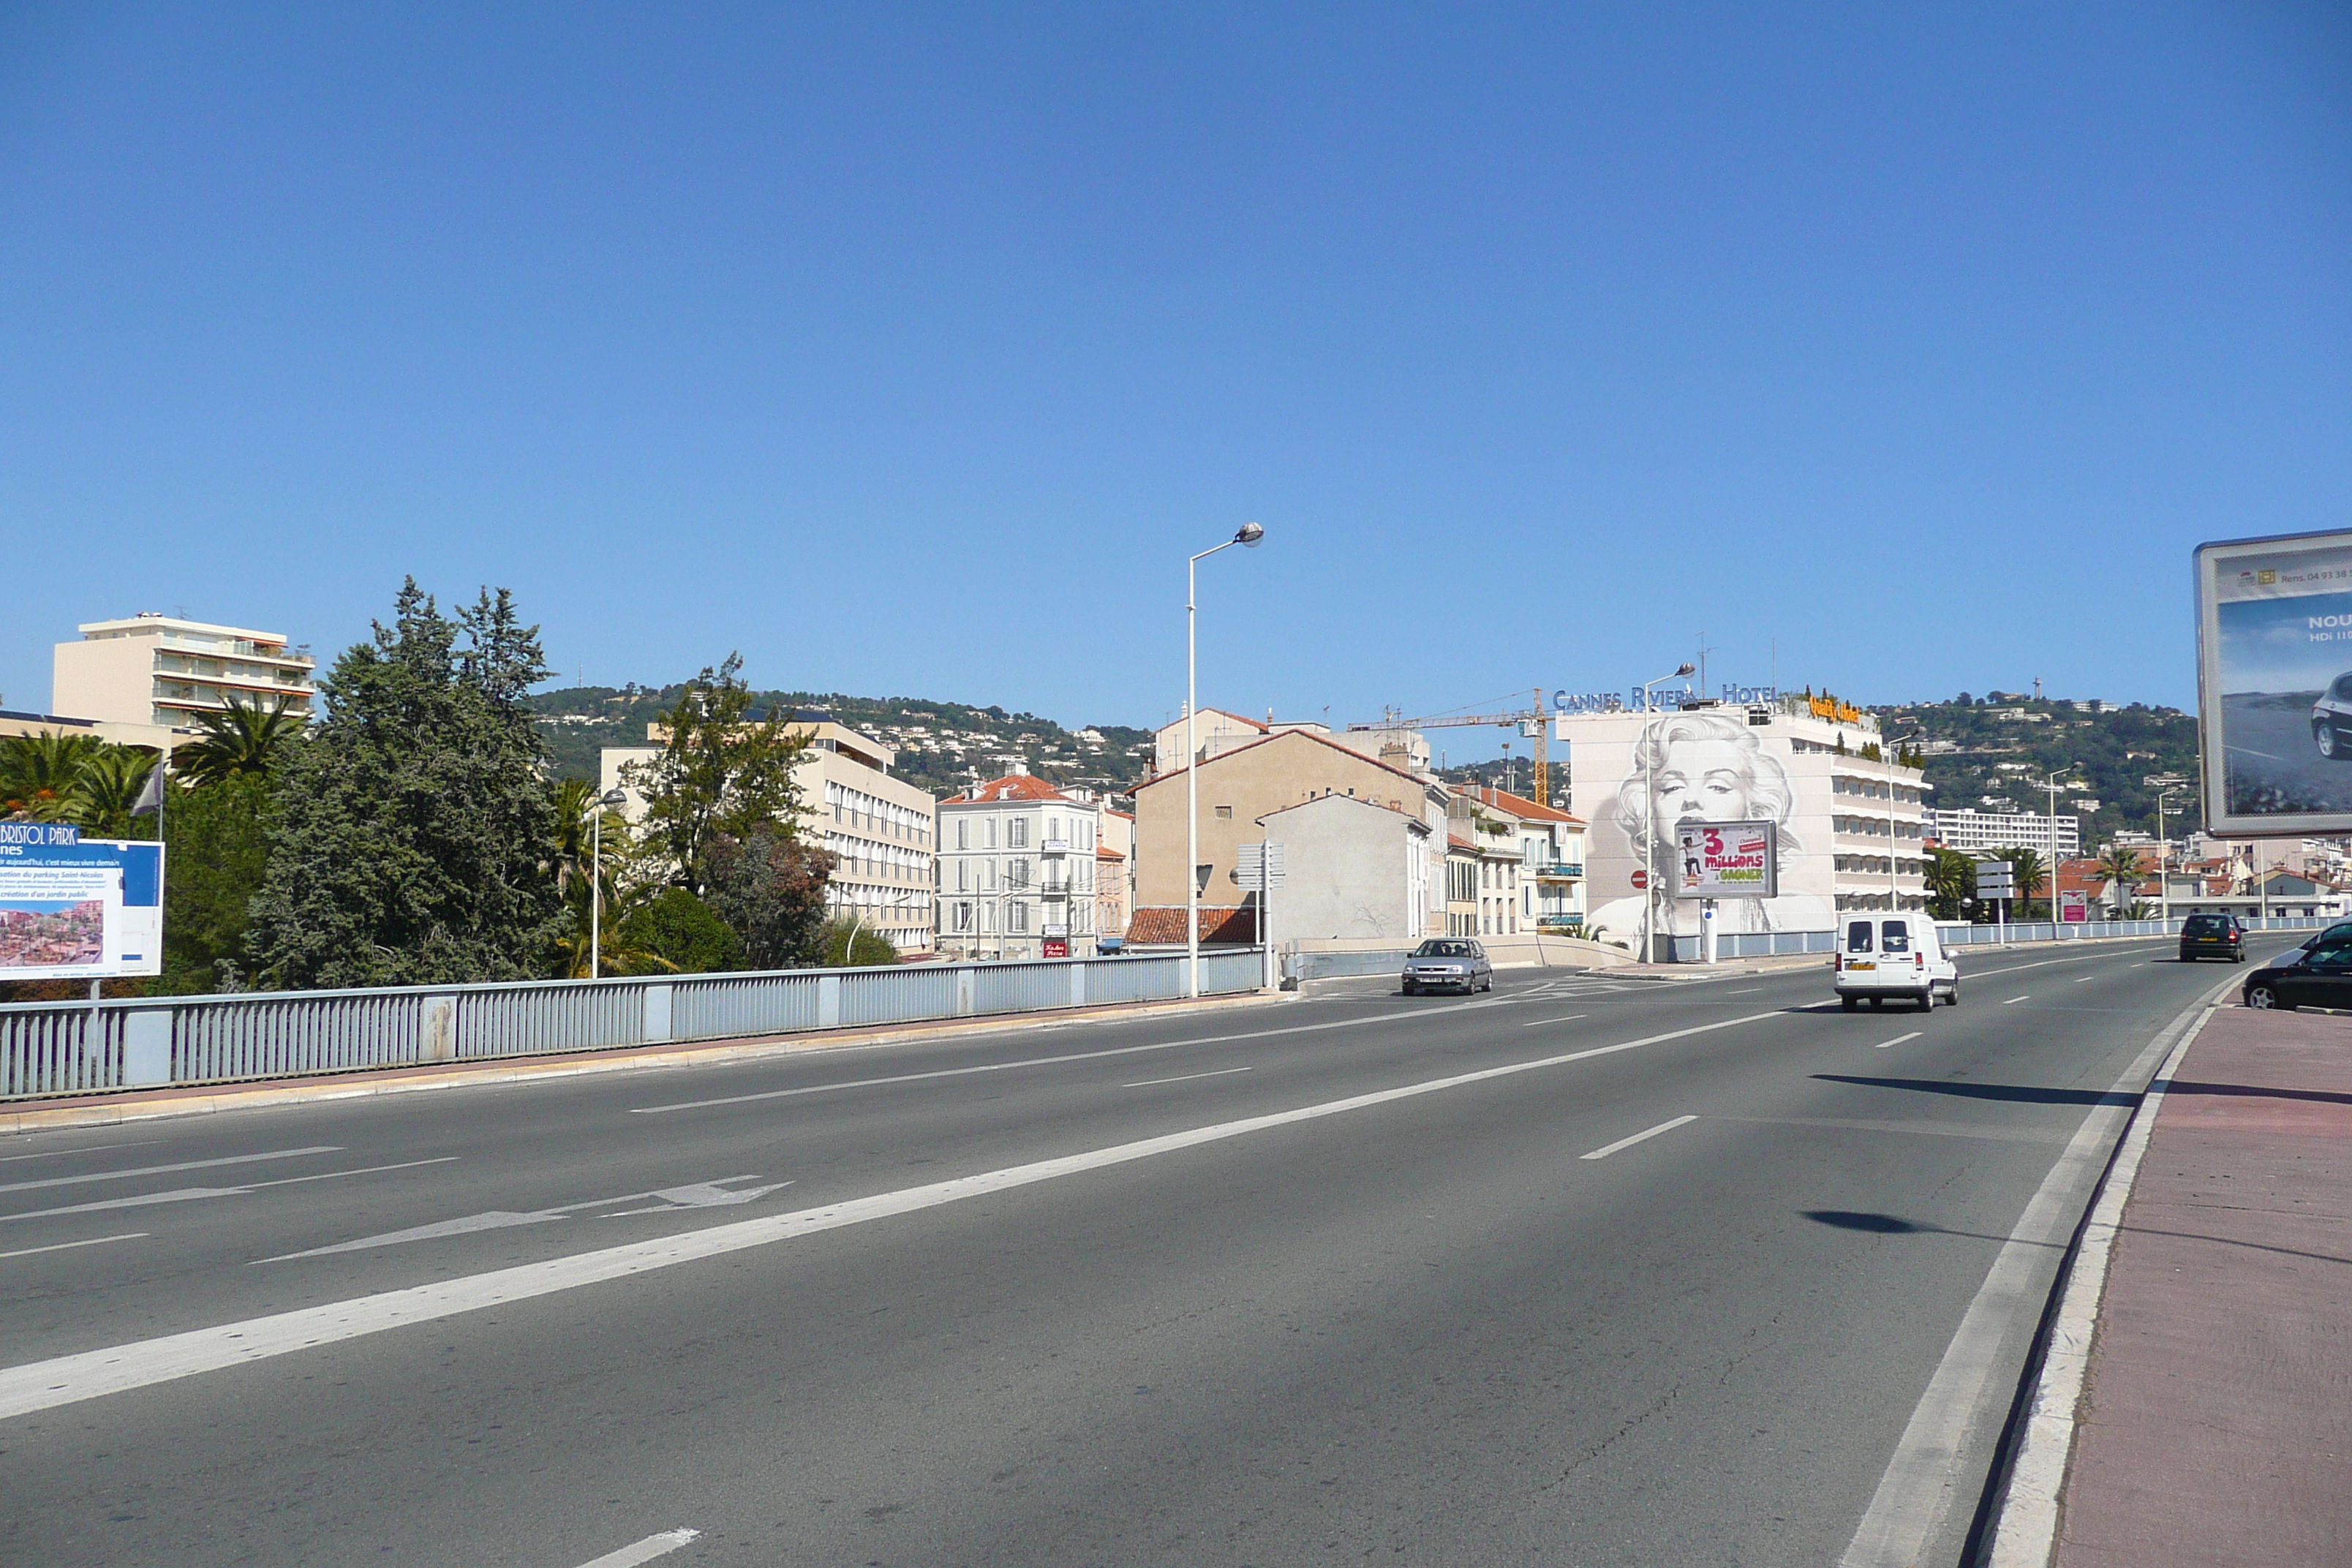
(1012, 786)
(1453, 842)
(1517, 804)
(1162, 925)
(1128, 815)
(1276, 739)
(1102, 853)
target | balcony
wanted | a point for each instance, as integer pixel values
(1558, 871)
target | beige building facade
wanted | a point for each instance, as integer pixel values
(163, 672)
(1240, 786)
(1029, 870)
(882, 831)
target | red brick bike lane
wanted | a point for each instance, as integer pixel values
(2216, 1422)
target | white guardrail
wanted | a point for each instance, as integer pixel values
(77, 1047)
(1773, 944)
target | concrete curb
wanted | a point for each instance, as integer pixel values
(2025, 1533)
(124, 1106)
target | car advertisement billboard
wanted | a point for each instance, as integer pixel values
(78, 909)
(2274, 685)
(1727, 860)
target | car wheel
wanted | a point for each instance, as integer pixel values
(2322, 735)
(1926, 1002)
(1952, 997)
(1875, 1003)
(1847, 1003)
(2266, 999)
(1413, 990)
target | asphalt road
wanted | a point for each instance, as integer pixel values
(1351, 1276)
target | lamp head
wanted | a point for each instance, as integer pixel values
(614, 797)
(1686, 669)
(1250, 534)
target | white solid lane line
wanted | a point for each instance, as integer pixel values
(1187, 1078)
(89, 1374)
(2085, 980)
(167, 1170)
(184, 1195)
(62, 1245)
(1534, 1023)
(1897, 1040)
(91, 1149)
(645, 1551)
(2015, 1000)
(1608, 1149)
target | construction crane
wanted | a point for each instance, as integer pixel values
(1533, 723)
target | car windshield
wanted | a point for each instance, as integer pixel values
(2205, 925)
(1441, 950)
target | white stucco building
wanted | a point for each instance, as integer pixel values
(1018, 865)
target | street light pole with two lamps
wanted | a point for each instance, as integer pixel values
(1650, 822)
(1248, 535)
(610, 800)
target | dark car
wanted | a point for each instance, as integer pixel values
(2212, 936)
(2319, 977)
(1448, 964)
(2331, 720)
(2340, 932)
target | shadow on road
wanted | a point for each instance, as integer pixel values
(2009, 1091)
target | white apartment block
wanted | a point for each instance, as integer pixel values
(1973, 832)
(881, 830)
(158, 670)
(1019, 861)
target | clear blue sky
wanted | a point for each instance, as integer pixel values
(911, 349)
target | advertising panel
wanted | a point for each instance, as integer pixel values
(2074, 907)
(2274, 685)
(1727, 860)
(78, 909)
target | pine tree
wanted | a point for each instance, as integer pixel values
(409, 838)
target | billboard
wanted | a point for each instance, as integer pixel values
(1727, 860)
(2274, 685)
(2073, 906)
(78, 909)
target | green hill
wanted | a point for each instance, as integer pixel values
(941, 746)
(1983, 749)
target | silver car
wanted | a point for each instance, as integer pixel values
(1448, 964)
(2331, 720)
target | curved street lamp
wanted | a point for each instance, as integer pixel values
(610, 800)
(1248, 535)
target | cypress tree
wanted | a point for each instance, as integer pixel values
(409, 842)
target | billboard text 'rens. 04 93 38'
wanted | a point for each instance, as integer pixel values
(2274, 684)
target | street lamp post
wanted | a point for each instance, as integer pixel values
(2050, 783)
(1248, 535)
(1650, 822)
(610, 800)
(2163, 857)
(1886, 756)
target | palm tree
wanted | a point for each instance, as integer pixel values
(243, 738)
(105, 789)
(36, 770)
(2027, 867)
(1951, 882)
(2120, 865)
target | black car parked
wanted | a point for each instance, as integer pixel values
(2212, 936)
(2318, 977)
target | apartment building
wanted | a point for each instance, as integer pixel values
(1976, 833)
(882, 831)
(1021, 864)
(1548, 880)
(1216, 732)
(158, 670)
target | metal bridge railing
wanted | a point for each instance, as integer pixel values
(70, 1048)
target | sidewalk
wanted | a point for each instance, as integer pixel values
(2216, 1422)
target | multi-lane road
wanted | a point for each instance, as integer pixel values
(1581, 1272)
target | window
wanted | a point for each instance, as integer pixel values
(991, 833)
(1894, 936)
(1020, 920)
(1857, 936)
(1016, 872)
(1224, 813)
(963, 832)
(1016, 833)
(963, 876)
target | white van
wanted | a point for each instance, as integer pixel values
(1883, 956)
